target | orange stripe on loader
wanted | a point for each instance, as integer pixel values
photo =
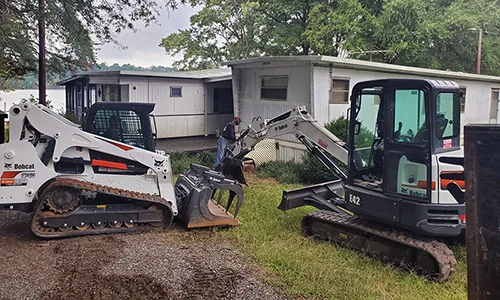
(109, 164)
(10, 174)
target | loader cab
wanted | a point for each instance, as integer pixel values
(125, 122)
(396, 126)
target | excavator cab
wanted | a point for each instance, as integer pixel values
(403, 129)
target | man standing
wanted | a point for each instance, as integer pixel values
(228, 136)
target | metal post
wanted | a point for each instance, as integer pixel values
(481, 164)
(42, 80)
(478, 67)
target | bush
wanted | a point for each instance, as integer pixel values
(312, 170)
(284, 172)
(5, 134)
(71, 116)
(182, 160)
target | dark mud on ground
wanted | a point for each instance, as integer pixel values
(162, 264)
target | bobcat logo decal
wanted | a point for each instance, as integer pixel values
(159, 163)
(7, 166)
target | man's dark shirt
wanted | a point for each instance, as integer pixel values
(229, 132)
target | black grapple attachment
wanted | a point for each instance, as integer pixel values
(195, 190)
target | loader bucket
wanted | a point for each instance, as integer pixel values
(195, 190)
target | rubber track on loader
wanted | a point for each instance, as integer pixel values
(443, 257)
(91, 187)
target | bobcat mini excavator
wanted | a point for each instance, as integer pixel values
(403, 190)
(105, 177)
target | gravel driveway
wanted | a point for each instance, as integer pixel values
(164, 264)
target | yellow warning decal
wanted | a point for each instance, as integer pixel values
(101, 206)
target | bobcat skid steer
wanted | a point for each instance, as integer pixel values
(104, 176)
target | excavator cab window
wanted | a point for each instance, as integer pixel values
(368, 135)
(409, 117)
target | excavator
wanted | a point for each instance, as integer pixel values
(400, 192)
(104, 176)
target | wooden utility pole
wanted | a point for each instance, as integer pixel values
(42, 80)
(478, 68)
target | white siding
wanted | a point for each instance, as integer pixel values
(237, 88)
(250, 104)
(288, 151)
(215, 122)
(477, 102)
(179, 126)
(124, 93)
(175, 116)
(104, 79)
(321, 79)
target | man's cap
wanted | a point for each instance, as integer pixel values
(237, 118)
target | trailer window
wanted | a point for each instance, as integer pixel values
(175, 91)
(274, 88)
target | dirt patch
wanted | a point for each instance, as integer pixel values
(207, 283)
(110, 287)
(163, 264)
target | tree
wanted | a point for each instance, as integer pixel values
(222, 30)
(431, 34)
(237, 29)
(74, 30)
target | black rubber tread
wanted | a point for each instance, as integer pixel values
(442, 255)
(51, 233)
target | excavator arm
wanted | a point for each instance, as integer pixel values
(299, 123)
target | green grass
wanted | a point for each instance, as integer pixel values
(302, 267)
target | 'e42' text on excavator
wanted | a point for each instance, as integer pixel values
(403, 190)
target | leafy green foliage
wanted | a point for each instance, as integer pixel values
(312, 170)
(284, 172)
(36, 100)
(5, 134)
(432, 34)
(182, 160)
(73, 30)
(71, 116)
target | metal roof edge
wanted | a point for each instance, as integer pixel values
(64, 81)
(368, 66)
(217, 79)
(272, 59)
(401, 69)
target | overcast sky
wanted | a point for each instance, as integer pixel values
(142, 46)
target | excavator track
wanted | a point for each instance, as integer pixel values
(427, 257)
(133, 212)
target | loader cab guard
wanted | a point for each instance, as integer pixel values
(128, 123)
